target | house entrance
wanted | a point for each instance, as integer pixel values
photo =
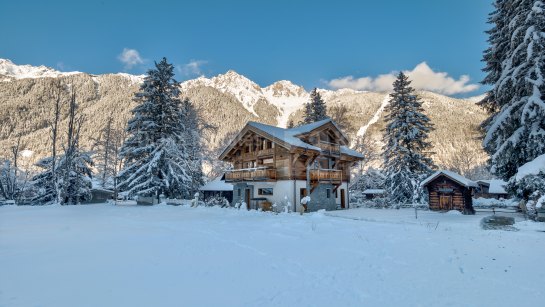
(247, 198)
(445, 202)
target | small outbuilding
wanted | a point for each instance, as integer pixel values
(217, 188)
(100, 195)
(494, 188)
(373, 193)
(450, 191)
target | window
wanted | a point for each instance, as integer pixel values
(265, 191)
(303, 192)
(328, 193)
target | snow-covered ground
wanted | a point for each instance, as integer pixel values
(105, 255)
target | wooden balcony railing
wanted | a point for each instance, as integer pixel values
(251, 174)
(326, 175)
(330, 148)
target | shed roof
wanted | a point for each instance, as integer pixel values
(452, 175)
(217, 185)
(374, 191)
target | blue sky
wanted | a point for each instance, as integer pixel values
(312, 43)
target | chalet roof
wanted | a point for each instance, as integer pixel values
(289, 136)
(452, 175)
(217, 185)
(286, 135)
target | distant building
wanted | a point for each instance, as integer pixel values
(493, 188)
(100, 195)
(217, 188)
(450, 191)
(277, 165)
(373, 193)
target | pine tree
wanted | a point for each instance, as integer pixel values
(515, 132)
(315, 109)
(406, 161)
(154, 154)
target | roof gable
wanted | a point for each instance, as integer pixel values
(453, 176)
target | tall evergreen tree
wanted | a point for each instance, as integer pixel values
(155, 154)
(315, 109)
(515, 132)
(406, 161)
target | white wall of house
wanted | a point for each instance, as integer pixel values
(284, 190)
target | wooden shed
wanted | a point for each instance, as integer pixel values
(450, 191)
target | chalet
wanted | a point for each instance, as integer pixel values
(277, 165)
(217, 188)
(450, 191)
(494, 188)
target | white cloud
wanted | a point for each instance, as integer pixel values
(130, 58)
(193, 68)
(422, 76)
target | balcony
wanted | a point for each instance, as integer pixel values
(330, 149)
(326, 176)
(251, 174)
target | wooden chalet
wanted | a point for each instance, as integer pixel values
(450, 191)
(277, 165)
(494, 188)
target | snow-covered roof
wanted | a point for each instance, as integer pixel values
(350, 152)
(531, 168)
(286, 135)
(373, 191)
(497, 186)
(289, 136)
(217, 185)
(452, 175)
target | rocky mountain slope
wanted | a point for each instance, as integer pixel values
(226, 101)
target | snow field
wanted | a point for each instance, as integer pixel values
(105, 255)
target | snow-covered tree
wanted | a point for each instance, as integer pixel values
(106, 153)
(192, 136)
(155, 154)
(370, 179)
(74, 166)
(406, 160)
(515, 132)
(315, 109)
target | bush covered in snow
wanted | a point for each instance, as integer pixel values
(217, 201)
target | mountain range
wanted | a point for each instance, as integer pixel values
(226, 102)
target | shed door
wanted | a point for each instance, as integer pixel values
(445, 202)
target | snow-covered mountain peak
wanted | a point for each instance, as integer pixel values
(285, 88)
(10, 69)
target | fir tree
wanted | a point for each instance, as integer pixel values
(154, 154)
(406, 161)
(315, 109)
(515, 132)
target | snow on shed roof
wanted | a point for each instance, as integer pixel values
(217, 185)
(452, 175)
(373, 191)
(497, 186)
(350, 152)
(531, 168)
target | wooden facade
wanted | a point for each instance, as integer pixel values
(446, 193)
(315, 153)
(258, 156)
